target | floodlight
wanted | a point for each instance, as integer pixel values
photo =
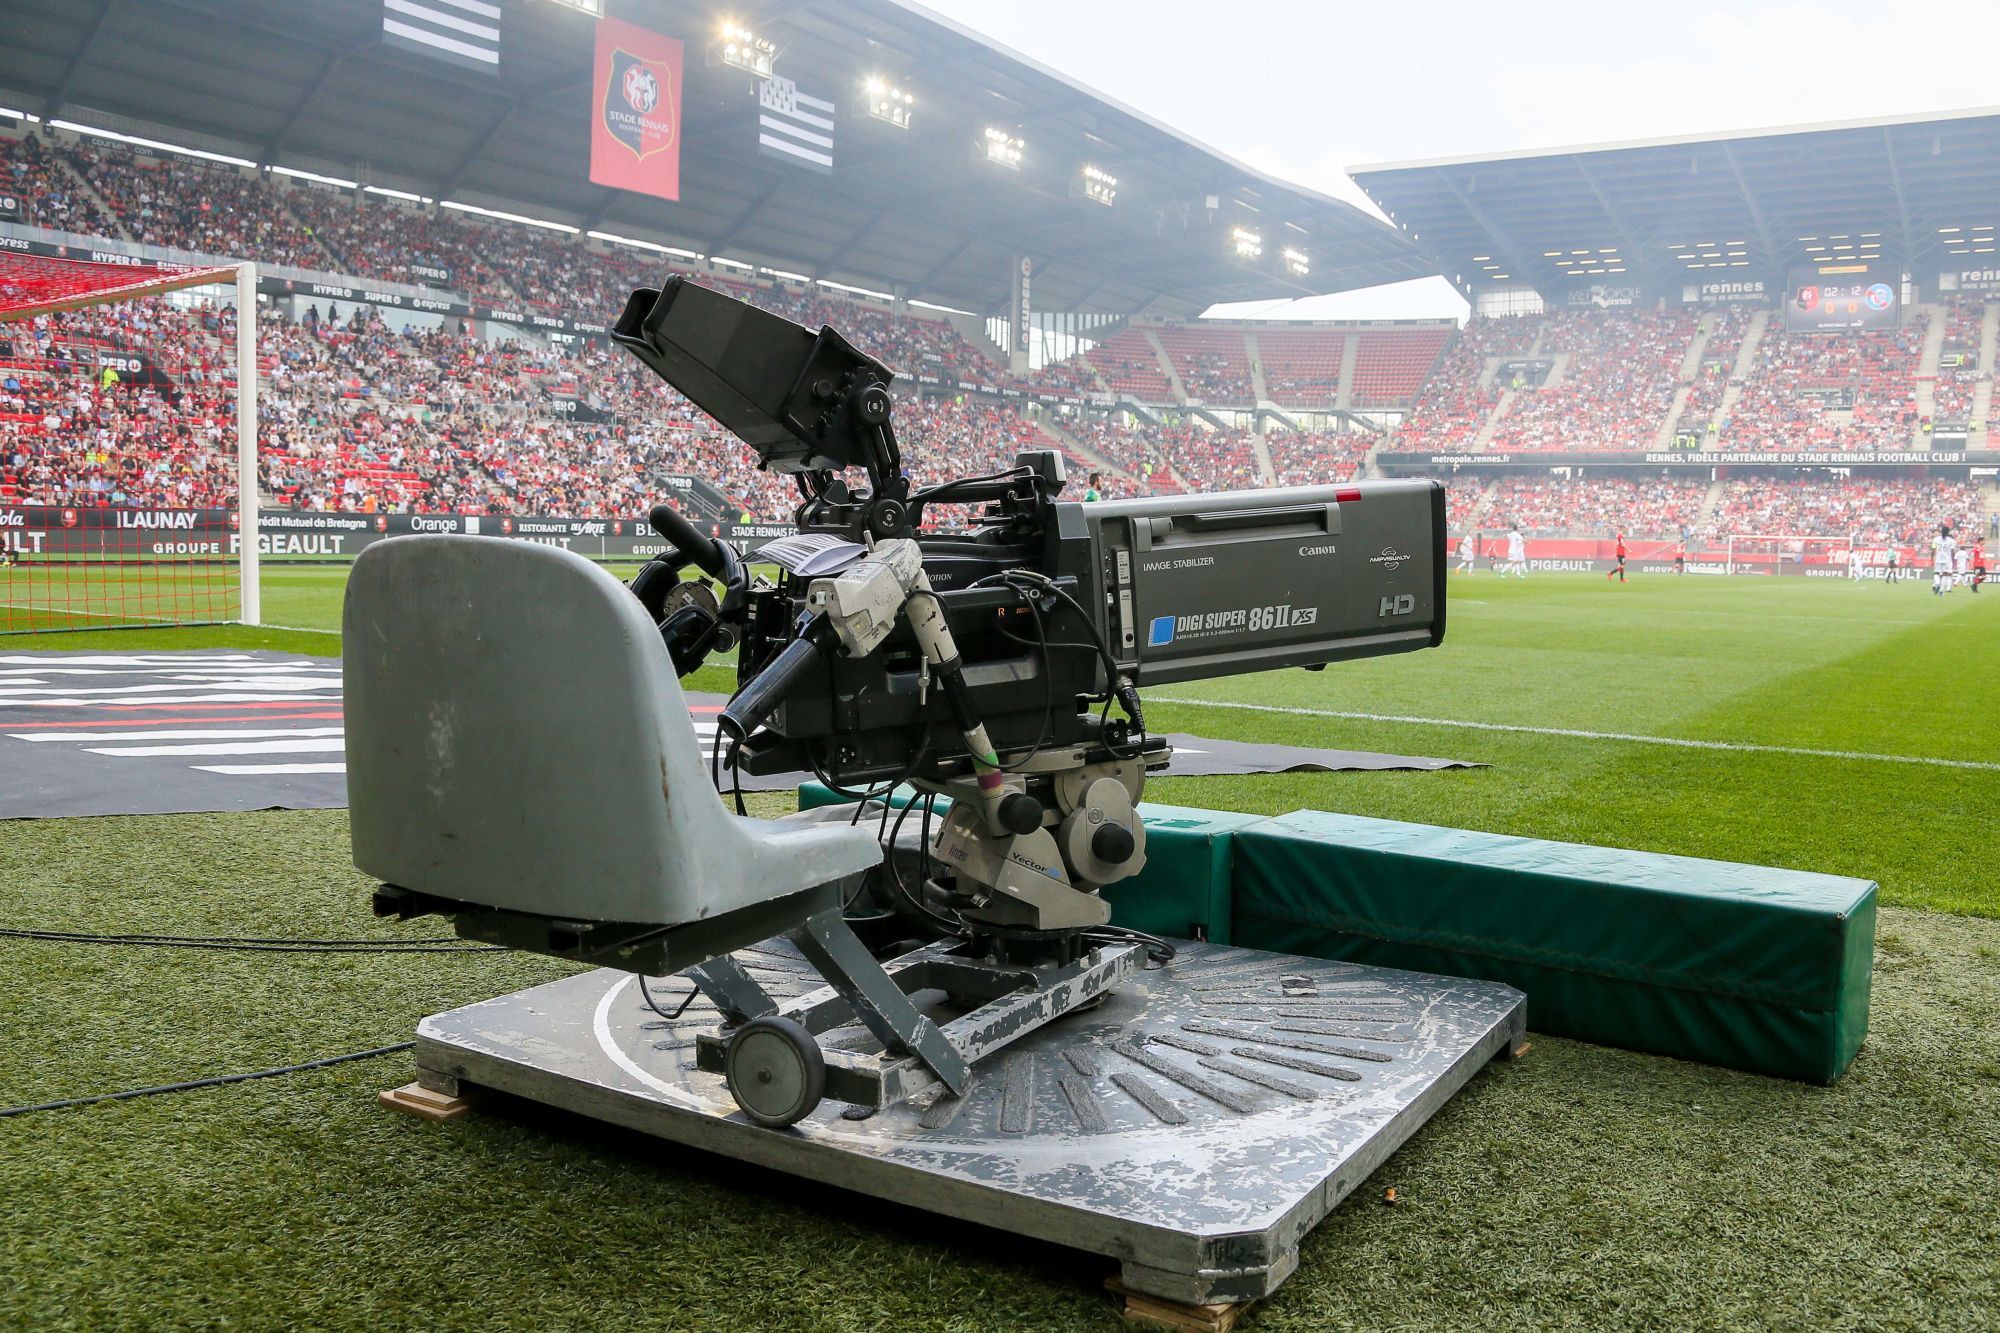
(888, 103)
(1002, 149)
(1097, 185)
(1247, 243)
(740, 48)
(1297, 263)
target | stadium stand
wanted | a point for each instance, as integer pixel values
(1464, 500)
(1301, 367)
(363, 417)
(1903, 511)
(1204, 458)
(1313, 458)
(1785, 405)
(73, 433)
(1127, 363)
(1718, 366)
(1953, 389)
(1454, 404)
(210, 208)
(1390, 365)
(1663, 507)
(50, 197)
(1213, 364)
(1613, 380)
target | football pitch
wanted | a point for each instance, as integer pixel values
(1818, 725)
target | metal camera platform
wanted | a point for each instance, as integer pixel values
(1195, 1125)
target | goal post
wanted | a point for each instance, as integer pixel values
(250, 589)
(115, 467)
(1769, 552)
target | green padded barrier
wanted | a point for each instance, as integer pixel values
(1746, 966)
(1183, 893)
(813, 795)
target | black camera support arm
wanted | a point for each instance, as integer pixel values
(698, 624)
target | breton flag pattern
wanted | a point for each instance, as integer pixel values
(460, 32)
(795, 127)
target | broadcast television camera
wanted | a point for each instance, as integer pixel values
(980, 665)
(983, 664)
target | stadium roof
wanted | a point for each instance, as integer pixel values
(1920, 190)
(313, 86)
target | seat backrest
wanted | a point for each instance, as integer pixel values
(516, 738)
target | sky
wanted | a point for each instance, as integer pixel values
(1304, 91)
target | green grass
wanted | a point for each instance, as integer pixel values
(1580, 1188)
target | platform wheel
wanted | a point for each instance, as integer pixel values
(775, 1071)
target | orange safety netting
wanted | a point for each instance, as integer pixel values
(37, 284)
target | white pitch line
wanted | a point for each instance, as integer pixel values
(111, 692)
(254, 671)
(10, 674)
(154, 701)
(260, 770)
(1744, 747)
(197, 734)
(315, 746)
(158, 660)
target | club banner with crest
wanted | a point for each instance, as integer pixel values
(635, 127)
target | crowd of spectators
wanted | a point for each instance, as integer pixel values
(1657, 507)
(1464, 499)
(32, 174)
(1904, 511)
(1453, 405)
(1958, 367)
(1213, 364)
(1711, 380)
(210, 208)
(1313, 458)
(1126, 361)
(1613, 387)
(1138, 454)
(393, 241)
(1792, 397)
(75, 430)
(359, 415)
(1202, 457)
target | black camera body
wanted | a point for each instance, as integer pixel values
(1179, 588)
(1155, 590)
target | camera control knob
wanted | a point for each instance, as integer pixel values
(1020, 813)
(873, 405)
(888, 518)
(1113, 844)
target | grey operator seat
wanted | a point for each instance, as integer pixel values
(517, 739)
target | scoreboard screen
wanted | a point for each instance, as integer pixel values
(1830, 298)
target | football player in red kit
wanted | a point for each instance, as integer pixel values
(1619, 572)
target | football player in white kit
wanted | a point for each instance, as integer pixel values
(1856, 571)
(1517, 552)
(1942, 561)
(1468, 551)
(1962, 565)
